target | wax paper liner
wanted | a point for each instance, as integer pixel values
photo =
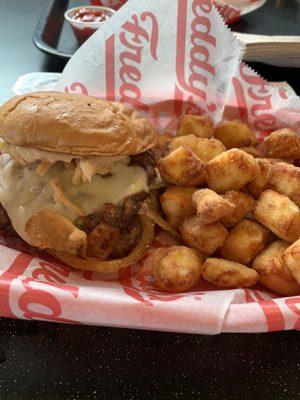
(165, 58)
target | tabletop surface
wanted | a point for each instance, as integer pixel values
(276, 17)
(40, 360)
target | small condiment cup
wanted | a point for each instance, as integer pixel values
(83, 29)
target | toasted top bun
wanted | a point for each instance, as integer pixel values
(76, 124)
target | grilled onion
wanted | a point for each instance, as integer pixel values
(109, 266)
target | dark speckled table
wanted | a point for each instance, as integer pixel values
(40, 360)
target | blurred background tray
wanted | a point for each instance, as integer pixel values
(272, 33)
(277, 17)
(53, 35)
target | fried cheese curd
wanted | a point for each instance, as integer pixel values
(283, 143)
(246, 239)
(176, 268)
(228, 274)
(235, 134)
(200, 126)
(236, 202)
(272, 265)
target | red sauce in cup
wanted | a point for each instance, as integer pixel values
(90, 15)
(86, 20)
(83, 34)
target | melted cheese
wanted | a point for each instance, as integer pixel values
(23, 192)
(86, 166)
(26, 155)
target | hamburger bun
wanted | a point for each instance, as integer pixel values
(75, 124)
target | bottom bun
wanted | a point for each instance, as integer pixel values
(109, 266)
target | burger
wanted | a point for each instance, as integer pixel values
(76, 178)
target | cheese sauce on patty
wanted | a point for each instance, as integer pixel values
(23, 192)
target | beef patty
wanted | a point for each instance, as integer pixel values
(120, 223)
(114, 230)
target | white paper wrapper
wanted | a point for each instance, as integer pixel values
(165, 58)
(35, 81)
(147, 62)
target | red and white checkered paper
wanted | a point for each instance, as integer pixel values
(165, 58)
